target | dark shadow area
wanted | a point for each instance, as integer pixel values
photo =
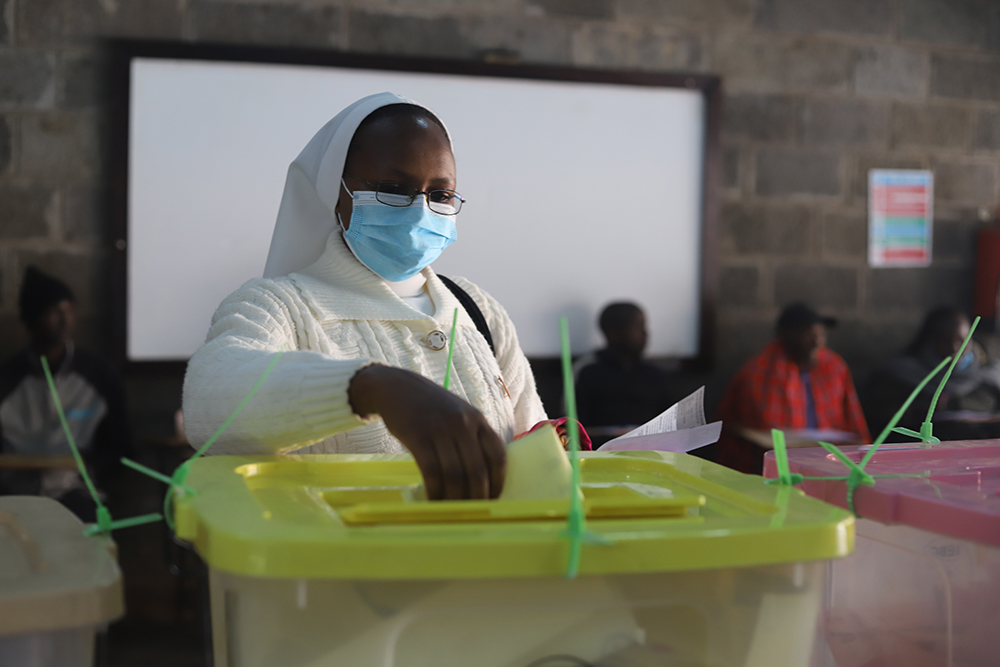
(136, 642)
(166, 618)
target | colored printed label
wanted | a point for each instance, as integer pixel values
(900, 217)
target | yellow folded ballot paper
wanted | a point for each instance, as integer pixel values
(537, 467)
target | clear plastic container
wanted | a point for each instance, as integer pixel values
(329, 561)
(58, 588)
(922, 587)
(726, 617)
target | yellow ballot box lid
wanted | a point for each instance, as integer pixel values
(52, 576)
(364, 517)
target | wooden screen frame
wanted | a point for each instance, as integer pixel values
(123, 51)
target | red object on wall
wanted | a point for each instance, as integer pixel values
(986, 302)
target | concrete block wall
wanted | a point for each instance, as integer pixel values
(817, 93)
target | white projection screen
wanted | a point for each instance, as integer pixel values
(579, 192)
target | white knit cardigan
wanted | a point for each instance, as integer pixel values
(332, 319)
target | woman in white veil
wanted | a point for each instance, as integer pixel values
(349, 295)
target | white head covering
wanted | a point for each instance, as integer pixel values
(312, 187)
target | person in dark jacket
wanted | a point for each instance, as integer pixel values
(616, 386)
(972, 393)
(91, 395)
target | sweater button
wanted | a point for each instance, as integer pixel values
(436, 340)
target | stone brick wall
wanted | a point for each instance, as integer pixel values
(817, 92)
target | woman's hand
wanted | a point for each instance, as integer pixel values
(457, 452)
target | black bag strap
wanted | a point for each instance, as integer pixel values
(472, 309)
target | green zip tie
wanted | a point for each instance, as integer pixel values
(858, 476)
(69, 434)
(236, 412)
(855, 469)
(177, 483)
(179, 478)
(927, 428)
(123, 523)
(855, 477)
(805, 478)
(785, 475)
(899, 413)
(781, 500)
(105, 524)
(149, 472)
(451, 349)
(856, 472)
(575, 520)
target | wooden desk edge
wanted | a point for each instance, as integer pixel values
(25, 462)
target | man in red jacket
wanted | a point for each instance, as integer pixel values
(796, 382)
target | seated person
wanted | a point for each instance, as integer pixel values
(363, 321)
(795, 383)
(974, 385)
(92, 400)
(615, 386)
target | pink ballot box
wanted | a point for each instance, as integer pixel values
(922, 588)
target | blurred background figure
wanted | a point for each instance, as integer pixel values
(35, 457)
(616, 388)
(795, 383)
(969, 407)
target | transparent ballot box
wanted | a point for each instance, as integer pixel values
(922, 588)
(335, 560)
(58, 588)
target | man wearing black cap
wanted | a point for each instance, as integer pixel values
(796, 382)
(92, 400)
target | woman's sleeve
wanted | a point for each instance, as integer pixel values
(303, 399)
(514, 367)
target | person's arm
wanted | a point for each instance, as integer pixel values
(514, 366)
(459, 454)
(309, 396)
(304, 398)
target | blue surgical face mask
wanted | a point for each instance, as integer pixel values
(396, 242)
(965, 360)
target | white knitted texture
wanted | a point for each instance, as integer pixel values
(318, 318)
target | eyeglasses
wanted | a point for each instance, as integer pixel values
(394, 193)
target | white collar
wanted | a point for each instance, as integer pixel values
(340, 287)
(412, 286)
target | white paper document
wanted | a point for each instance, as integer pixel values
(670, 441)
(686, 413)
(679, 428)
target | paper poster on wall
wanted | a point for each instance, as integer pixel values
(900, 217)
